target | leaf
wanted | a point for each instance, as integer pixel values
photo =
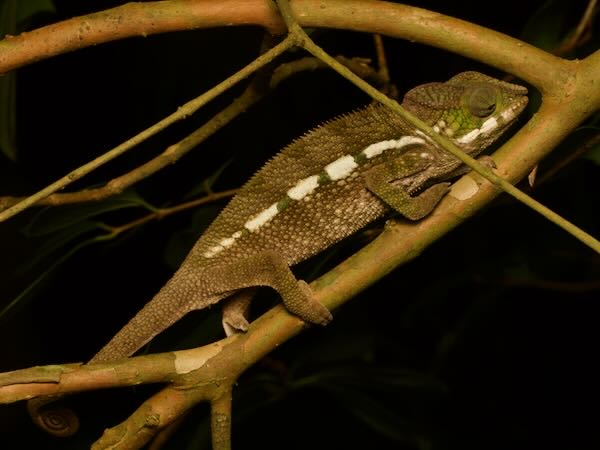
(29, 8)
(26, 295)
(379, 417)
(60, 240)
(8, 86)
(52, 219)
(380, 379)
(13, 14)
(205, 186)
(546, 27)
(593, 154)
(181, 242)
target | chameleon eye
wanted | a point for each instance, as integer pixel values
(482, 101)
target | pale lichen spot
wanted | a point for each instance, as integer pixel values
(464, 188)
(449, 131)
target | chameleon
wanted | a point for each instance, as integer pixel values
(321, 188)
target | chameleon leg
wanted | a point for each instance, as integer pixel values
(379, 181)
(269, 269)
(235, 311)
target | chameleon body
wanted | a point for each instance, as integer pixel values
(321, 188)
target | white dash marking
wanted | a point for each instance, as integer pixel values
(213, 251)
(261, 218)
(378, 148)
(486, 128)
(341, 167)
(227, 242)
(489, 125)
(303, 188)
(237, 235)
(469, 137)
(436, 128)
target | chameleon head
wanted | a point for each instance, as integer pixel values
(472, 109)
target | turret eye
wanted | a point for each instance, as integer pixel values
(482, 101)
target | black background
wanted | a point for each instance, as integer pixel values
(468, 347)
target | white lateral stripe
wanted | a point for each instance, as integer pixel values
(341, 167)
(262, 218)
(469, 137)
(378, 148)
(486, 127)
(489, 125)
(227, 242)
(303, 188)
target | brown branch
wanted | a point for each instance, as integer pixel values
(559, 165)
(133, 20)
(567, 102)
(183, 111)
(252, 94)
(581, 33)
(164, 212)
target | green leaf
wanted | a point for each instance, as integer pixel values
(52, 219)
(8, 86)
(546, 27)
(26, 295)
(379, 417)
(29, 8)
(205, 186)
(376, 379)
(181, 242)
(593, 154)
(60, 240)
(13, 15)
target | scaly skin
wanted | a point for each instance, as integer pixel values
(300, 203)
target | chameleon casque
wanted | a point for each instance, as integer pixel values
(321, 188)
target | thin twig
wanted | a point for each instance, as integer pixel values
(182, 112)
(578, 37)
(302, 39)
(164, 212)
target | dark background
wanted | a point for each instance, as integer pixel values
(486, 341)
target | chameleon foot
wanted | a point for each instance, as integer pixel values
(307, 308)
(424, 203)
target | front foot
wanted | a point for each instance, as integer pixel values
(307, 308)
(423, 204)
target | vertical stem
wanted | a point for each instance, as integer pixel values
(220, 417)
